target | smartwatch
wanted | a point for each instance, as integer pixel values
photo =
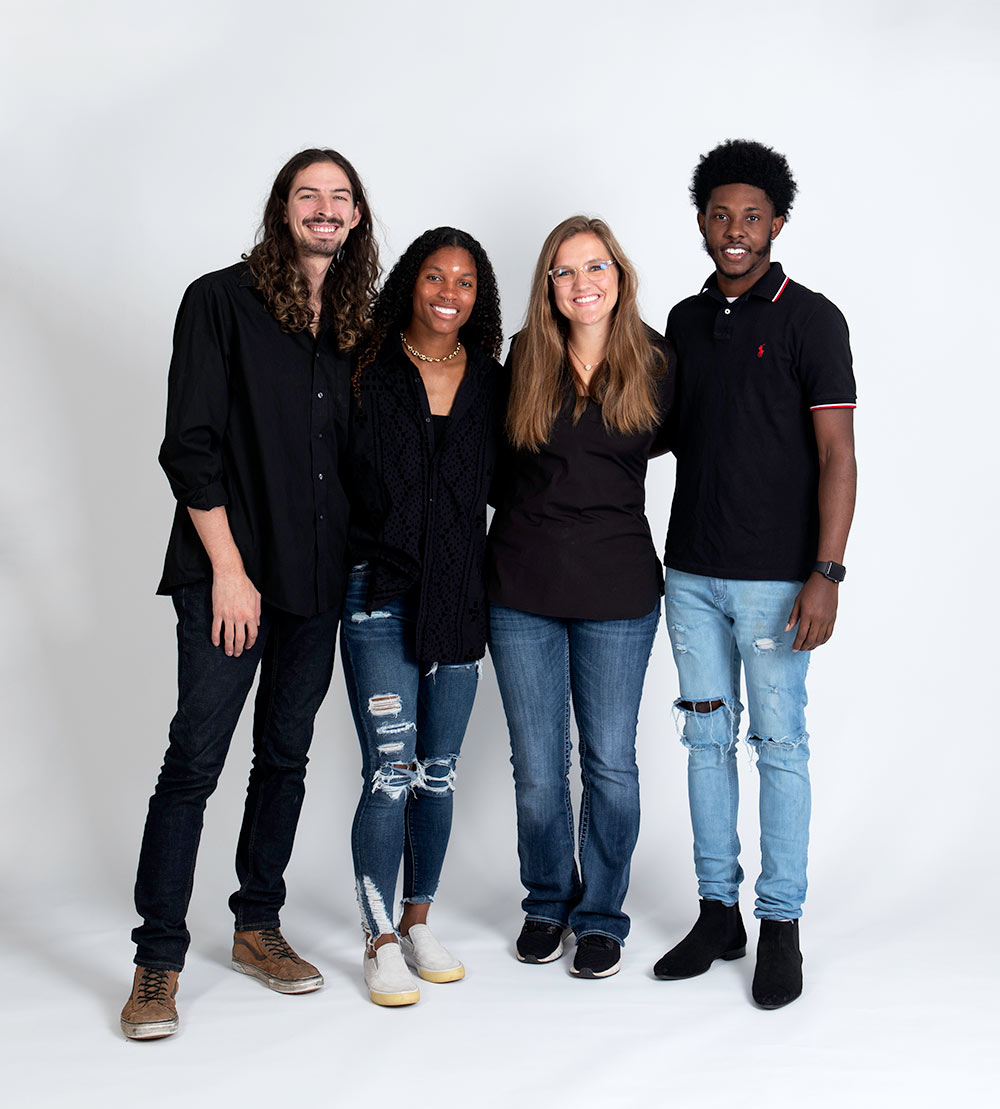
(833, 571)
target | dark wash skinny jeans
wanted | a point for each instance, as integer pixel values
(295, 655)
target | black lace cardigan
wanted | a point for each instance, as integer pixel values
(418, 514)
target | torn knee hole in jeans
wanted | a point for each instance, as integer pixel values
(395, 779)
(700, 706)
(707, 724)
(785, 743)
(362, 617)
(436, 775)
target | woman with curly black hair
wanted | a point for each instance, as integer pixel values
(422, 450)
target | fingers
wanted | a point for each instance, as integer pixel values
(812, 633)
(236, 614)
(230, 636)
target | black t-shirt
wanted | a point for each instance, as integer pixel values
(570, 538)
(257, 421)
(750, 374)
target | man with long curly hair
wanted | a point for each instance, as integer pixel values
(256, 423)
(763, 434)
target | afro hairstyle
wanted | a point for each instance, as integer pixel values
(744, 162)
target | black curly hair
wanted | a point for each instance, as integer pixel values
(393, 306)
(744, 162)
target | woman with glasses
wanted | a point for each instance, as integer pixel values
(574, 583)
(422, 452)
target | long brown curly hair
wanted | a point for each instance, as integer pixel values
(625, 384)
(350, 282)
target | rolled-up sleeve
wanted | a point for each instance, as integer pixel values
(198, 399)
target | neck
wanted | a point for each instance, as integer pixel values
(314, 269)
(590, 341)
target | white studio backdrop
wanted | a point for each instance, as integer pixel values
(139, 143)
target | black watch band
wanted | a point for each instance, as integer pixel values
(831, 570)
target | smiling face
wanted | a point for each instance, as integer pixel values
(738, 225)
(320, 210)
(444, 293)
(588, 300)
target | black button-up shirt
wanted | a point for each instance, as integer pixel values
(256, 421)
(749, 375)
(570, 538)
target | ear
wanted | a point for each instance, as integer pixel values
(357, 217)
(776, 225)
(701, 224)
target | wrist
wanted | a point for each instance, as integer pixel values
(832, 571)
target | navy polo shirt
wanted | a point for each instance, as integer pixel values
(750, 374)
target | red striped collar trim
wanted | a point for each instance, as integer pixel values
(774, 299)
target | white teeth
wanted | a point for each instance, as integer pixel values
(735, 250)
(445, 311)
(585, 300)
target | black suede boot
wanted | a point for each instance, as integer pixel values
(778, 977)
(718, 933)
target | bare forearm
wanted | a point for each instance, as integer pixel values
(838, 481)
(213, 530)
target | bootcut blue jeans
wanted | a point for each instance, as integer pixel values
(411, 722)
(716, 627)
(543, 666)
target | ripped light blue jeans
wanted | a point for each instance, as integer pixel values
(716, 625)
(411, 725)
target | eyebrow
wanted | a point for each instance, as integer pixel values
(317, 189)
(726, 208)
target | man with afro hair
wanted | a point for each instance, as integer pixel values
(762, 427)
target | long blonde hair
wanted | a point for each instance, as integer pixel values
(625, 385)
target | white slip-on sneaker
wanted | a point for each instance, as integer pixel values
(433, 962)
(388, 978)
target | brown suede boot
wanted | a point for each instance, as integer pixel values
(150, 1012)
(266, 955)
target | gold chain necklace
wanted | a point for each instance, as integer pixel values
(426, 357)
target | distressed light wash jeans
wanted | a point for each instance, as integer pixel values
(411, 726)
(544, 664)
(716, 625)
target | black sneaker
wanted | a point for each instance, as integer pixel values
(540, 942)
(596, 957)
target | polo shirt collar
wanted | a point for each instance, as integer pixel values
(770, 286)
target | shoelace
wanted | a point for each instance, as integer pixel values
(152, 986)
(276, 944)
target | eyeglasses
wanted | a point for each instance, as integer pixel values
(596, 270)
